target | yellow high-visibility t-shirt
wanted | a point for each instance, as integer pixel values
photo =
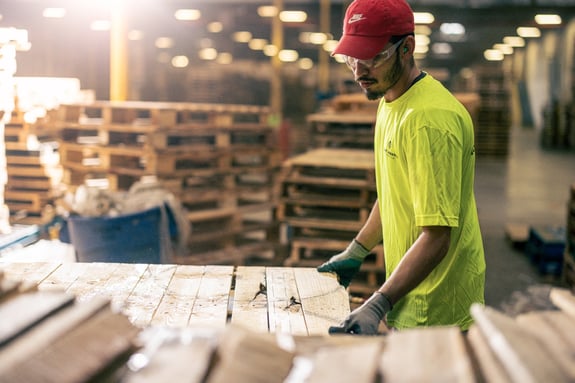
(425, 167)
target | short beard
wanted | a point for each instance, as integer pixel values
(392, 78)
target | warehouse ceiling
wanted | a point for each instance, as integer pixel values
(67, 46)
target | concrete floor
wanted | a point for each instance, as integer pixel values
(529, 186)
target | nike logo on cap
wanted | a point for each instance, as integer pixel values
(355, 18)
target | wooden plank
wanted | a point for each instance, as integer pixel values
(250, 299)
(64, 276)
(521, 353)
(285, 314)
(324, 301)
(426, 354)
(564, 299)
(490, 369)
(147, 294)
(177, 303)
(334, 158)
(25, 310)
(551, 328)
(31, 272)
(86, 352)
(172, 362)
(211, 305)
(248, 357)
(47, 332)
(353, 363)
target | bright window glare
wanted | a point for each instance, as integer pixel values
(54, 13)
(100, 25)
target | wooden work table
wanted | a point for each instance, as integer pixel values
(298, 301)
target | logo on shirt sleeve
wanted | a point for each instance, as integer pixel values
(389, 150)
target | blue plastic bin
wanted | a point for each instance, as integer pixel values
(139, 237)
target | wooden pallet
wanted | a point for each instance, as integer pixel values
(345, 130)
(163, 114)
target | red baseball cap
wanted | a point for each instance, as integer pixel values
(369, 24)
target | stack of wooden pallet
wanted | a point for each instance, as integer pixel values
(33, 171)
(48, 336)
(348, 123)
(220, 161)
(326, 195)
(569, 257)
(492, 131)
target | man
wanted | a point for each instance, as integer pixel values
(425, 214)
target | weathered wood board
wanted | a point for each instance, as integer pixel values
(297, 301)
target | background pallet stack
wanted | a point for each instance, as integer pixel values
(569, 257)
(325, 197)
(220, 161)
(33, 173)
(347, 123)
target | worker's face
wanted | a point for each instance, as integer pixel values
(376, 81)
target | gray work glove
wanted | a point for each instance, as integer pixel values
(365, 319)
(347, 263)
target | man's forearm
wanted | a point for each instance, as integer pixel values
(419, 261)
(370, 234)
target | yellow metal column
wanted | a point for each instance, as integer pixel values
(118, 53)
(276, 84)
(323, 59)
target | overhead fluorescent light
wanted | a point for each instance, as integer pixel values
(270, 50)
(215, 27)
(493, 55)
(208, 54)
(527, 32)
(242, 36)
(514, 41)
(423, 18)
(257, 44)
(305, 63)
(288, 55)
(454, 29)
(187, 14)
(504, 48)
(267, 11)
(180, 61)
(293, 16)
(548, 19)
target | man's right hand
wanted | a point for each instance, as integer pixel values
(347, 263)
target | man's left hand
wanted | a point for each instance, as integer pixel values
(365, 319)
